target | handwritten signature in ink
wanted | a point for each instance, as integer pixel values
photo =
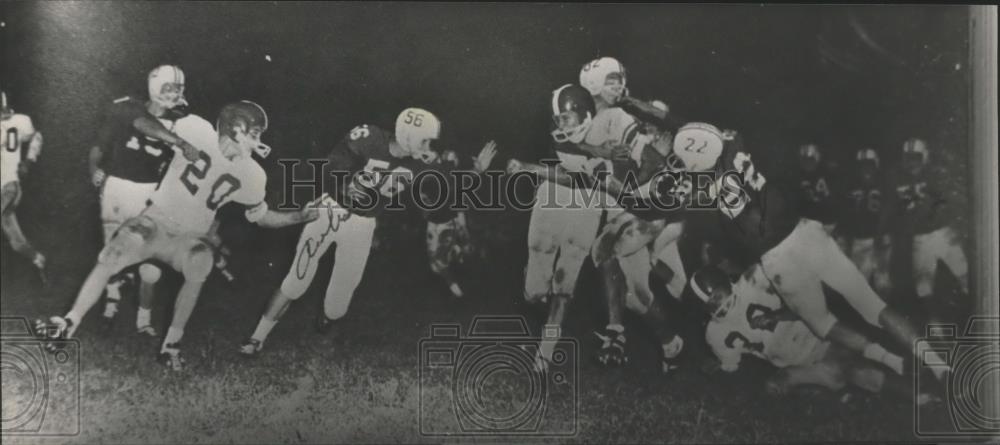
(313, 246)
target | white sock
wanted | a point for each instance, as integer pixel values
(263, 329)
(114, 291)
(142, 318)
(616, 327)
(173, 336)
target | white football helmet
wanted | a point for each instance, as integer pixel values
(868, 154)
(698, 145)
(414, 126)
(916, 146)
(810, 151)
(594, 73)
(166, 86)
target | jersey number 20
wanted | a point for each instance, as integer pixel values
(197, 170)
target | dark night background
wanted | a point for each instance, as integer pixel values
(843, 76)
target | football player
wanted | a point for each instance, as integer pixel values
(369, 167)
(639, 241)
(815, 181)
(795, 254)
(17, 132)
(861, 230)
(625, 276)
(448, 239)
(924, 206)
(747, 318)
(569, 206)
(181, 211)
(126, 164)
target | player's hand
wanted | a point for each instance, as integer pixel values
(485, 157)
(514, 166)
(310, 212)
(98, 177)
(729, 135)
(450, 156)
(190, 151)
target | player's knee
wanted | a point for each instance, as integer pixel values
(149, 273)
(198, 263)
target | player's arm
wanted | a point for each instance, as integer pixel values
(555, 173)
(274, 219)
(154, 128)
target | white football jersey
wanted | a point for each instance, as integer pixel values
(609, 125)
(786, 343)
(192, 192)
(14, 131)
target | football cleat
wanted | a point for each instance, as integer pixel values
(541, 363)
(612, 352)
(170, 356)
(251, 347)
(57, 328)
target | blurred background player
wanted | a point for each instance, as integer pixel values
(448, 238)
(17, 131)
(861, 227)
(367, 168)
(924, 207)
(126, 164)
(815, 181)
(748, 319)
(181, 212)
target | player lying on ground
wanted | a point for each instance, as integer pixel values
(797, 255)
(16, 132)
(369, 167)
(747, 318)
(126, 164)
(173, 227)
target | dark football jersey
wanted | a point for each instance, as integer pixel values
(815, 194)
(363, 158)
(861, 207)
(921, 203)
(128, 154)
(753, 215)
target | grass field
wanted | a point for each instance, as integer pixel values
(361, 384)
